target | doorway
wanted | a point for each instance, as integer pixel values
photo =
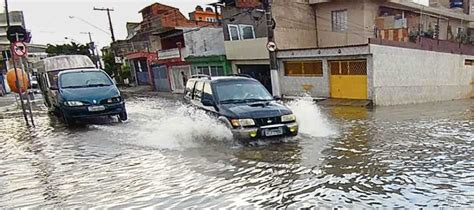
(348, 79)
(258, 72)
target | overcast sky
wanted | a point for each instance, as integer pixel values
(50, 23)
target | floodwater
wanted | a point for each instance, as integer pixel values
(169, 155)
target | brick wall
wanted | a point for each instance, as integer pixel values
(247, 3)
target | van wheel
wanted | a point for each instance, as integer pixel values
(123, 116)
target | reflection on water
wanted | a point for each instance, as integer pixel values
(169, 155)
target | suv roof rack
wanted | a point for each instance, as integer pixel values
(199, 76)
(241, 75)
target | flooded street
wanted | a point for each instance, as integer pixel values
(169, 155)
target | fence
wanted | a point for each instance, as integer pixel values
(429, 45)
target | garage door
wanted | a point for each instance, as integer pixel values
(348, 79)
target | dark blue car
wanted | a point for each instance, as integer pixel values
(85, 93)
(242, 104)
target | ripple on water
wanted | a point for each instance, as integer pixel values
(169, 155)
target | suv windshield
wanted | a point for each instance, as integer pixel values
(241, 92)
(83, 79)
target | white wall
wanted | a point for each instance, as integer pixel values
(204, 42)
(405, 76)
(294, 86)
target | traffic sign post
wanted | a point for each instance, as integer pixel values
(19, 49)
(16, 34)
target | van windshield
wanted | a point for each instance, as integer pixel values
(241, 92)
(82, 79)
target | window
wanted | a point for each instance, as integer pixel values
(189, 89)
(230, 92)
(198, 91)
(339, 21)
(53, 79)
(304, 69)
(348, 67)
(84, 79)
(207, 92)
(460, 32)
(217, 70)
(211, 19)
(468, 62)
(247, 32)
(241, 32)
(234, 33)
(209, 70)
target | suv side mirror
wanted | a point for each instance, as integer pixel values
(277, 98)
(207, 102)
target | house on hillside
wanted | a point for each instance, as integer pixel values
(143, 42)
(386, 51)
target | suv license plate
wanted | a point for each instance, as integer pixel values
(96, 108)
(274, 132)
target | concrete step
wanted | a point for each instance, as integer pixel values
(345, 102)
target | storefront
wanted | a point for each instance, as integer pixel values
(210, 65)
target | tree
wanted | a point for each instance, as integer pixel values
(68, 49)
(109, 64)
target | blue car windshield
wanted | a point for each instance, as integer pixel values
(82, 79)
(241, 92)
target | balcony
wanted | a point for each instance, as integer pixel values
(471, 24)
(174, 53)
(249, 49)
(318, 1)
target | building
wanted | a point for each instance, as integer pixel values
(387, 51)
(141, 47)
(191, 51)
(208, 15)
(16, 19)
(245, 33)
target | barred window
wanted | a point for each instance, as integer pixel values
(339, 20)
(468, 62)
(348, 67)
(304, 68)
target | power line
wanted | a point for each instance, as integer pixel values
(90, 24)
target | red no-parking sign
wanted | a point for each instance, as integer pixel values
(19, 49)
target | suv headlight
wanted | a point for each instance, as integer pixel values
(242, 122)
(73, 103)
(288, 118)
(114, 100)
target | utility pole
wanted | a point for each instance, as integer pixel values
(267, 5)
(92, 48)
(6, 12)
(112, 34)
(110, 20)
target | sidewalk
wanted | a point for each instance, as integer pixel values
(147, 91)
(7, 101)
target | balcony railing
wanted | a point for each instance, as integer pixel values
(171, 53)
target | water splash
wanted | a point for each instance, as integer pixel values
(173, 127)
(310, 119)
